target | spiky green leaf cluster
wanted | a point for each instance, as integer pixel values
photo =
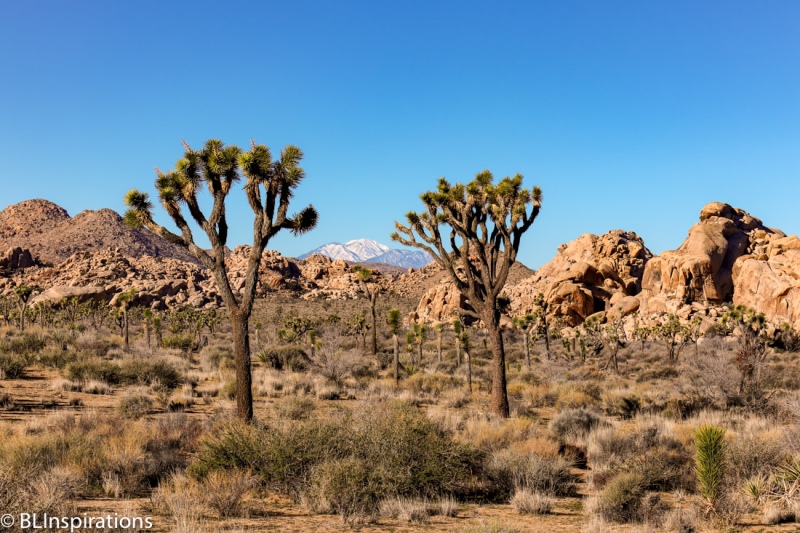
(709, 444)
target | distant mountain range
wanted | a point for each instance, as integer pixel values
(367, 251)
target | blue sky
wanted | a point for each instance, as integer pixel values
(629, 115)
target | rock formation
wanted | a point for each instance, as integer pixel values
(587, 275)
(768, 279)
(52, 235)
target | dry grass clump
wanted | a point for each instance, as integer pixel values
(416, 510)
(573, 424)
(492, 526)
(224, 491)
(95, 386)
(294, 408)
(134, 405)
(525, 501)
(492, 433)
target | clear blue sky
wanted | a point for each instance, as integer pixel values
(629, 115)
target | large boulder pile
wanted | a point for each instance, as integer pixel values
(768, 279)
(700, 271)
(588, 275)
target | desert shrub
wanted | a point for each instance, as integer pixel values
(510, 471)
(526, 502)
(774, 515)
(216, 357)
(432, 383)
(147, 372)
(97, 387)
(752, 453)
(622, 404)
(224, 490)
(335, 365)
(12, 366)
(228, 389)
(57, 358)
(178, 342)
(29, 343)
(493, 526)
(620, 500)
(94, 369)
(291, 357)
(383, 449)
(349, 487)
(134, 406)
(572, 424)
(92, 346)
(411, 510)
(294, 408)
(681, 520)
(6, 400)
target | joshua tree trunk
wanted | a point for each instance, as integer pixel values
(125, 328)
(458, 351)
(396, 361)
(499, 394)
(22, 308)
(439, 346)
(469, 370)
(419, 352)
(241, 349)
(527, 348)
(372, 301)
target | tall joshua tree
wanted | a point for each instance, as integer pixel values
(371, 290)
(269, 185)
(486, 222)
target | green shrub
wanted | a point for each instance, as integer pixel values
(178, 342)
(392, 447)
(94, 369)
(147, 372)
(12, 366)
(228, 390)
(290, 356)
(27, 344)
(57, 358)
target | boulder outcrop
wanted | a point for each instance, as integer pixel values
(586, 276)
(701, 269)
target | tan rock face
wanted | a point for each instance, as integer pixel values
(16, 258)
(585, 276)
(701, 269)
(439, 304)
(769, 280)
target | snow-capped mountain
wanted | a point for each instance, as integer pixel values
(402, 258)
(365, 250)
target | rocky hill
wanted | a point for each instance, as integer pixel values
(52, 236)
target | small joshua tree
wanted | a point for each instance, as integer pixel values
(439, 329)
(395, 324)
(525, 324)
(269, 186)
(709, 445)
(458, 327)
(486, 223)
(124, 300)
(23, 293)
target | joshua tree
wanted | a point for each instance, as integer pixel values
(439, 329)
(525, 324)
(486, 223)
(675, 334)
(124, 300)
(466, 343)
(751, 350)
(365, 279)
(268, 187)
(541, 315)
(458, 327)
(420, 334)
(24, 293)
(395, 324)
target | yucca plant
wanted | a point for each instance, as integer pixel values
(709, 445)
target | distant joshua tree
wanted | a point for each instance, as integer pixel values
(366, 280)
(486, 223)
(395, 324)
(23, 293)
(269, 187)
(125, 300)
